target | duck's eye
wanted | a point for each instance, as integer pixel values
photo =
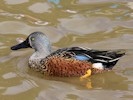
(32, 39)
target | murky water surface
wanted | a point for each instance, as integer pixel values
(98, 24)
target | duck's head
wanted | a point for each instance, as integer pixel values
(36, 40)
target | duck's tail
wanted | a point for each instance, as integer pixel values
(108, 58)
(116, 56)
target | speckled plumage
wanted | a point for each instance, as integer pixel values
(72, 61)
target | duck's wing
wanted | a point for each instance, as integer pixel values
(108, 57)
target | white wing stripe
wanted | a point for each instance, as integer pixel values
(114, 60)
(104, 56)
(87, 55)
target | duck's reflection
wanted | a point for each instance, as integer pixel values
(102, 85)
(108, 80)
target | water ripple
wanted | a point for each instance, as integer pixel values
(14, 2)
(9, 75)
(29, 18)
(26, 85)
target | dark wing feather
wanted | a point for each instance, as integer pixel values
(107, 58)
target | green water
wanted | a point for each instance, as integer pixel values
(98, 24)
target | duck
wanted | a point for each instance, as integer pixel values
(69, 61)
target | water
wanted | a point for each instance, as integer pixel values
(98, 24)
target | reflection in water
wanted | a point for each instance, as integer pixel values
(111, 82)
(81, 95)
(106, 83)
(61, 91)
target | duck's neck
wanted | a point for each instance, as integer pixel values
(41, 51)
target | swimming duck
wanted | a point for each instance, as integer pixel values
(66, 62)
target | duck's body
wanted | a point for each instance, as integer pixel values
(73, 61)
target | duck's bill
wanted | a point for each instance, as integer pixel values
(20, 46)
